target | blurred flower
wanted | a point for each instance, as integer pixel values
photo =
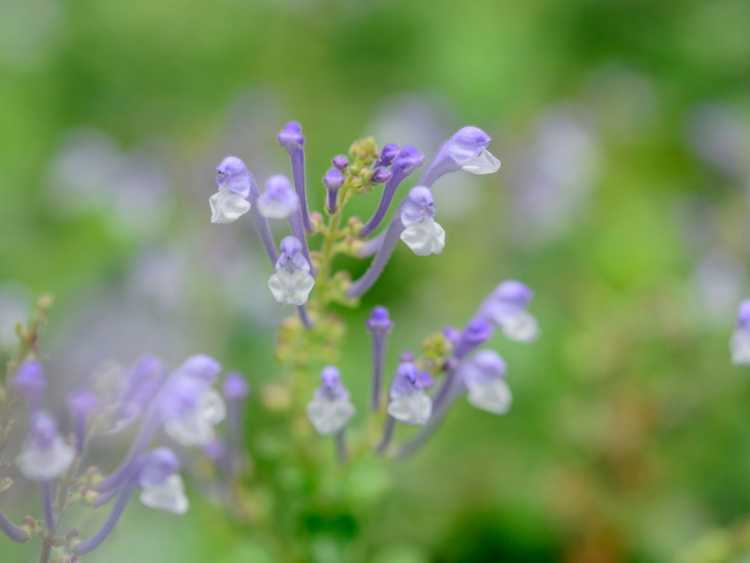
(721, 138)
(330, 409)
(291, 283)
(484, 377)
(161, 486)
(90, 172)
(553, 176)
(409, 402)
(507, 308)
(422, 234)
(45, 455)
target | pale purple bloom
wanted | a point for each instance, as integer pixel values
(191, 409)
(507, 308)
(291, 282)
(279, 200)
(484, 378)
(161, 486)
(421, 233)
(409, 402)
(142, 383)
(466, 150)
(330, 409)
(230, 202)
(45, 455)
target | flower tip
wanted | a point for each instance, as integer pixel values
(333, 178)
(379, 320)
(290, 136)
(407, 159)
(340, 161)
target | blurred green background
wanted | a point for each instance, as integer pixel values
(624, 131)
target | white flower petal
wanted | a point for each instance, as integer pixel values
(493, 396)
(168, 496)
(740, 347)
(292, 288)
(412, 408)
(328, 417)
(227, 206)
(196, 427)
(274, 209)
(520, 326)
(44, 464)
(424, 238)
(485, 163)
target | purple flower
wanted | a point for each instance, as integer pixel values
(191, 409)
(230, 202)
(380, 175)
(141, 386)
(406, 161)
(161, 486)
(201, 367)
(422, 234)
(235, 387)
(291, 283)
(484, 377)
(330, 409)
(506, 307)
(279, 200)
(290, 137)
(45, 455)
(409, 402)
(333, 180)
(740, 343)
(340, 161)
(387, 154)
(476, 333)
(30, 383)
(465, 150)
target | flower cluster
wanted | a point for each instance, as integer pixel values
(180, 409)
(452, 364)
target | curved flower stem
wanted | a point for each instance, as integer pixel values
(114, 516)
(385, 202)
(14, 533)
(388, 431)
(368, 279)
(371, 246)
(141, 442)
(298, 171)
